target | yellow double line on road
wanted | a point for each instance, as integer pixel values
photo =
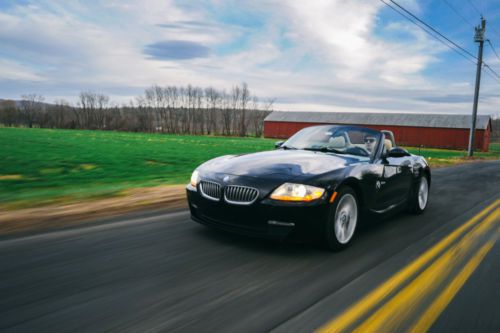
(391, 315)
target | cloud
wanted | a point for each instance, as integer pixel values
(177, 50)
(447, 98)
(320, 54)
(185, 25)
(14, 71)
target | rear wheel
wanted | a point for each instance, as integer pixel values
(420, 196)
(342, 219)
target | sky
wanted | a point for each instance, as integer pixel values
(315, 55)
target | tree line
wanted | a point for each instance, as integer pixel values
(169, 109)
(495, 130)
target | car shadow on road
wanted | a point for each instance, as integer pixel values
(255, 244)
(371, 227)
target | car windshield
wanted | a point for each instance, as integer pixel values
(335, 139)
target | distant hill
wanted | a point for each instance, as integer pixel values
(18, 102)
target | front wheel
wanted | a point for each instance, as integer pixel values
(342, 219)
(419, 197)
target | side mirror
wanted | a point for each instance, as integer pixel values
(278, 144)
(397, 152)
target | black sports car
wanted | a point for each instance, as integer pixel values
(316, 184)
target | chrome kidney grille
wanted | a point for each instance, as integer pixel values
(240, 195)
(210, 190)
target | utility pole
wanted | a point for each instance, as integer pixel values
(478, 38)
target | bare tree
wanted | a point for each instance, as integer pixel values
(170, 109)
(495, 130)
(31, 106)
(213, 102)
(199, 114)
(86, 109)
(102, 106)
(244, 99)
(156, 100)
(173, 100)
(227, 113)
(235, 101)
(92, 108)
(59, 113)
(8, 113)
(144, 117)
(266, 110)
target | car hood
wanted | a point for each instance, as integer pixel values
(280, 164)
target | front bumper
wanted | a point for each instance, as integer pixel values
(263, 219)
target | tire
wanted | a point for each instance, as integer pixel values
(342, 220)
(419, 196)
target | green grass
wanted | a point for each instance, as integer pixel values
(445, 157)
(41, 166)
(494, 152)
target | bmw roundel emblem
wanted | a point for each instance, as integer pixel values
(225, 179)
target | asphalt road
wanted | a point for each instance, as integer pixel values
(158, 271)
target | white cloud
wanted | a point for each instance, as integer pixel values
(349, 61)
(10, 70)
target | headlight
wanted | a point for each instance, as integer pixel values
(195, 178)
(297, 192)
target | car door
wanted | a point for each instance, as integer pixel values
(398, 172)
(394, 182)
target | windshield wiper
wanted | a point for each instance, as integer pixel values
(288, 147)
(326, 150)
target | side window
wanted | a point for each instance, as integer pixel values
(362, 142)
(356, 137)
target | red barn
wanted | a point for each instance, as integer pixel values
(410, 129)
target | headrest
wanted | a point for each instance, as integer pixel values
(388, 144)
(337, 142)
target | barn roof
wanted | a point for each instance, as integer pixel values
(371, 118)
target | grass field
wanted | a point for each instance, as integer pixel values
(445, 157)
(40, 166)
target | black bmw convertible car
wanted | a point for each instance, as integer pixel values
(315, 185)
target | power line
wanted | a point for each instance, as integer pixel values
(429, 30)
(432, 28)
(493, 77)
(484, 3)
(496, 32)
(465, 19)
(492, 71)
(493, 49)
(475, 8)
(458, 13)
(423, 25)
(496, 75)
